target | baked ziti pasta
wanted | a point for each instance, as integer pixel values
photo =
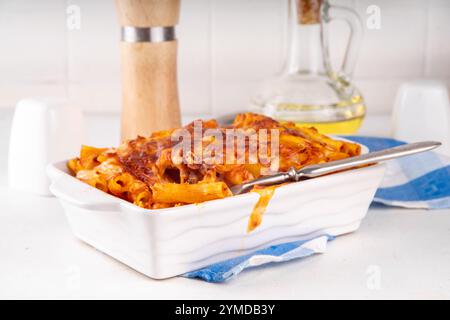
(152, 173)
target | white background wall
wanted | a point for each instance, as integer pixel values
(226, 48)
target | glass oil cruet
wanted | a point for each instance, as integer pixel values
(309, 91)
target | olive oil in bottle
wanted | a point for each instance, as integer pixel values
(309, 92)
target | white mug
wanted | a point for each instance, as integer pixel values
(42, 132)
(422, 112)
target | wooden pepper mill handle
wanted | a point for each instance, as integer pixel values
(149, 66)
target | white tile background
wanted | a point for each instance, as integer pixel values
(226, 48)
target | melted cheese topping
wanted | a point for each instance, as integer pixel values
(153, 173)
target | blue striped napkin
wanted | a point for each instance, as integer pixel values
(419, 181)
(221, 271)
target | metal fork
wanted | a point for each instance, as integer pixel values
(317, 170)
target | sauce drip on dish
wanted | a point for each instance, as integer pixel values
(265, 195)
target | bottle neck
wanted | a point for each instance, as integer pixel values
(306, 53)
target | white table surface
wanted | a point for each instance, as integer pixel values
(397, 253)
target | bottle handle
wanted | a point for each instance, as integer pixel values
(356, 35)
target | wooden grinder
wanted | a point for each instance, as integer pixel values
(149, 66)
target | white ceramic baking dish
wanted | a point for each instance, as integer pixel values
(168, 242)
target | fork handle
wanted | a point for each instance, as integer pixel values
(330, 167)
(368, 158)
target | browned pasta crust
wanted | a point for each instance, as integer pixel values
(143, 172)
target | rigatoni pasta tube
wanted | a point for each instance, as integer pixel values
(189, 193)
